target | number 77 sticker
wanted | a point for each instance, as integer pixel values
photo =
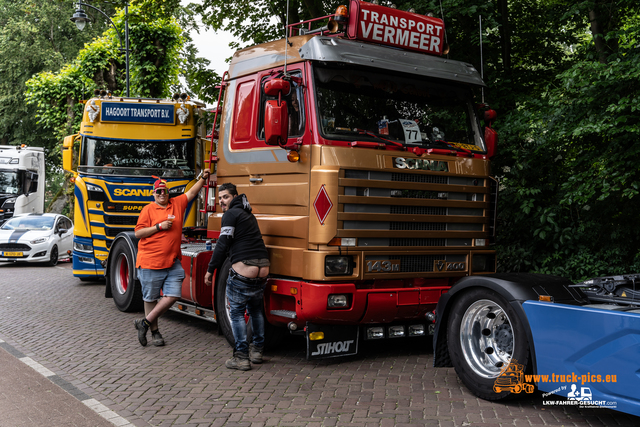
(411, 131)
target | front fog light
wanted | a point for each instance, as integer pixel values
(338, 301)
(396, 331)
(375, 333)
(337, 265)
(416, 330)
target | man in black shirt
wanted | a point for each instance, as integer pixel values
(241, 241)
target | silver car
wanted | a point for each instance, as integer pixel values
(36, 238)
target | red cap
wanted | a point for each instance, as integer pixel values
(160, 183)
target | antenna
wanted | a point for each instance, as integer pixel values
(445, 27)
(286, 39)
(481, 60)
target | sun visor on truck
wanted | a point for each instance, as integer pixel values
(332, 49)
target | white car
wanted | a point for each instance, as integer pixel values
(36, 238)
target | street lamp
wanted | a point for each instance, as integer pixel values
(80, 18)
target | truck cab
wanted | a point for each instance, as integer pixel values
(22, 180)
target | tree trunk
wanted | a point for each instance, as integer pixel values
(598, 36)
(505, 35)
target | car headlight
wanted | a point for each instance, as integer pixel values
(338, 265)
(39, 240)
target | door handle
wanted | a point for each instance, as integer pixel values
(255, 180)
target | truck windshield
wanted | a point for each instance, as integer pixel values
(9, 182)
(146, 158)
(370, 105)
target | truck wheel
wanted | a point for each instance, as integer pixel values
(484, 336)
(222, 305)
(273, 335)
(53, 257)
(126, 290)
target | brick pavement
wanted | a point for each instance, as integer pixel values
(70, 329)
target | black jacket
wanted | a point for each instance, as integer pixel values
(240, 236)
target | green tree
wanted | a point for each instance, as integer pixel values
(571, 180)
(34, 37)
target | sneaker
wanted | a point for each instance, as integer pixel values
(157, 339)
(239, 361)
(142, 331)
(255, 354)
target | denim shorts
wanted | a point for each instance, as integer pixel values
(169, 280)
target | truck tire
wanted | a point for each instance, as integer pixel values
(222, 305)
(125, 288)
(273, 335)
(484, 336)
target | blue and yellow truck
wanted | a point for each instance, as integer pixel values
(123, 144)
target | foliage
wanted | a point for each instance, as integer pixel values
(570, 176)
(32, 40)
(154, 66)
(259, 21)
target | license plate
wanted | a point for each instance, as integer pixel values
(337, 341)
(7, 254)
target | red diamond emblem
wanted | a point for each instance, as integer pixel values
(322, 205)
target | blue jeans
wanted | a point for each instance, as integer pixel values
(243, 296)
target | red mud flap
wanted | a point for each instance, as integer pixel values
(326, 341)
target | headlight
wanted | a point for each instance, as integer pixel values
(81, 247)
(8, 202)
(338, 301)
(92, 187)
(39, 240)
(337, 265)
(176, 191)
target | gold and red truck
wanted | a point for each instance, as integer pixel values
(366, 160)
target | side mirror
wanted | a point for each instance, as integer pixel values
(491, 139)
(67, 154)
(276, 123)
(62, 231)
(276, 114)
(490, 135)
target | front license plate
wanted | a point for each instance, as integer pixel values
(8, 254)
(338, 341)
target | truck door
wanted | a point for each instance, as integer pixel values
(276, 187)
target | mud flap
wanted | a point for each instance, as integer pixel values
(326, 341)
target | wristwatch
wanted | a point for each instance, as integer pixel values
(158, 227)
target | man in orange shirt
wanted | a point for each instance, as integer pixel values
(159, 257)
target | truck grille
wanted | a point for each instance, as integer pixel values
(429, 210)
(120, 220)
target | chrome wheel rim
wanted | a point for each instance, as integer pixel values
(486, 338)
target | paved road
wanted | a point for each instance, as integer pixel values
(68, 329)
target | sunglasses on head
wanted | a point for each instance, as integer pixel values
(160, 191)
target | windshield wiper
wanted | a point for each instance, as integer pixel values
(386, 141)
